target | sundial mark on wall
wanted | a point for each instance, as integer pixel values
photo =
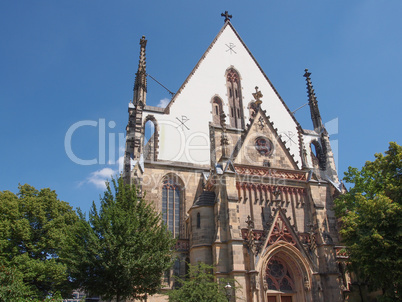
(183, 121)
(231, 47)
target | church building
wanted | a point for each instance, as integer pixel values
(239, 182)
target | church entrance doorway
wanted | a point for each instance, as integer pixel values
(280, 298)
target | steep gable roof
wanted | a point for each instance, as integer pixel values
(208, 80)
(227, 24)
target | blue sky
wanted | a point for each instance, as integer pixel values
(65, 62)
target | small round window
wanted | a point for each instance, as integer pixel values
(264, 146)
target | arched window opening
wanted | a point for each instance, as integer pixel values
(317, 155)
(235, 99)
(278, 276)
(198, 220)
(313, 149)
(217, 109)
(150, 139)
(171, 200)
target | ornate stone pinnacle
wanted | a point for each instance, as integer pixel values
(224, 140)
(227, 16)
(313, 103)
(223, 121)
(140, 82)
(250, 223)
(257, 96)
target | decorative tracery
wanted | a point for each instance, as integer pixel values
(281, 232)
(235, 99)
(171, 195)
(278, 276)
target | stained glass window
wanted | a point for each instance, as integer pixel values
(235, 98)
(278, 276)
(171, 195)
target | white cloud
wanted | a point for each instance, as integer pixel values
(163, 103)
(99, 177)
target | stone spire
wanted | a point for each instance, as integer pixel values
(133, 149)
(140, 83)
(312, 101)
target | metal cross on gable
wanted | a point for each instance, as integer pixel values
(226, 15)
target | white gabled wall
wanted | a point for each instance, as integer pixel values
(176, 143)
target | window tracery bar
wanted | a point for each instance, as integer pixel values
(278, 276)
(171, 195)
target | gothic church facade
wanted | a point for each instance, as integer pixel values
(238, 181)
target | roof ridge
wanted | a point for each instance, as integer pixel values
(196, 67)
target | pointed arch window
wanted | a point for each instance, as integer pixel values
(150, 138)
(171, 200)
(216, 110)
(278, 276)
(235, 99)
(318, 155)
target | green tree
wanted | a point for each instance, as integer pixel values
(124, 248)
(12, 286)
(200, 285)
(371, 216)
(34, 227)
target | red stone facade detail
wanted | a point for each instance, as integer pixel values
(257, 234)
(281, 232)
(270, 188)
(267, 172)
(182, 245)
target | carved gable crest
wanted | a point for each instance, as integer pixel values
(280, 231)
(262, 145)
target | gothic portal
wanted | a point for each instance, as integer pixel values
(238, 181)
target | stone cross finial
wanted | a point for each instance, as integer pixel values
(257, 96)
(226, 15)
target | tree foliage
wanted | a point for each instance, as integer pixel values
(199, 286)
(123, 249)
(12, 287)
(371, 215)
(34, 228)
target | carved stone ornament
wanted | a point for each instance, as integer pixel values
(263, 171)
(261, 123)
(264, 146)
(257, 96)
(307, 286)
